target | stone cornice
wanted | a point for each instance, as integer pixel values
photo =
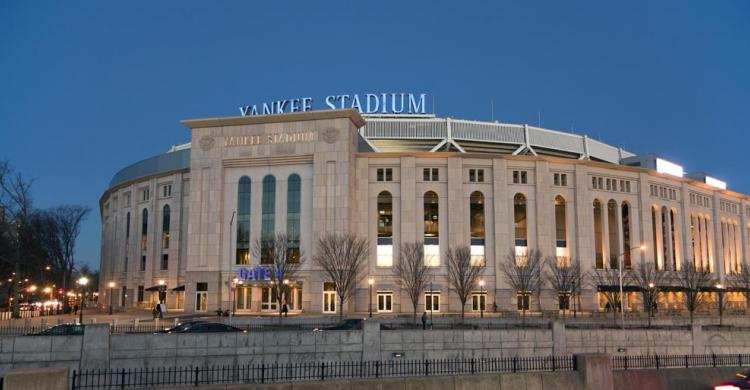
(351, 114)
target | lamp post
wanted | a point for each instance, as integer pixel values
(370, 282)
(111, 286)
(481, 299)
(231, 279)
(720, 292)
(622, 296)
(82, 281)
(432, 303)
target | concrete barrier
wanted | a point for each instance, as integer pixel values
(50, 378)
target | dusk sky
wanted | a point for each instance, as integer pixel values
(87, 88)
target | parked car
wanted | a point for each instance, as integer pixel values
(202, 327)
(61, 330)
(347, 324)
(742, 382)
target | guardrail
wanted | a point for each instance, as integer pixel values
(312, 371)
(679, 361)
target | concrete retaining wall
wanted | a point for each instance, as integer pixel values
(102, 350)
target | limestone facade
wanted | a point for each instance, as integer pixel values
(440, 198)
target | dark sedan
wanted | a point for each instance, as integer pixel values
(202, 327)
(61, 330)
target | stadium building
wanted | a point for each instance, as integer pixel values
(180, 226)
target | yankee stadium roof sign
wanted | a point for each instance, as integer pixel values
(368, 103)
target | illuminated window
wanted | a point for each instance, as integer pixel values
(144, 228)
(598, 234)
(165, 222)
(293, 209)
(614, 245)
(519, 220)
(268, 219)
(385, 301)
(385, 230)
(242, 255)
(164, 262)
(476, 218)
(431, 229)
(432, 301)
(479, 301)
(561, 228)
(627, 261)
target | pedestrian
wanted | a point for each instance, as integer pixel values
(424, 321)
(75, 309)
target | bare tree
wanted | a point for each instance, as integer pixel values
(282, 265)
(564, 277)
(607, 281)
(343, 258)
(648, 280)
(692, 280)
(462, 274)
(523, 274)
(16, 205)
(412, 271)
(57, 231)
(741, 282)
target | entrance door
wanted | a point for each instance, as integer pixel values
(329, 297)
(268, 301)
(242, 297)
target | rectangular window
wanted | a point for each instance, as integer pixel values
(140, 293)
(385, 256)
(201, 296)
(627, 186)
(556, 179)
(432, 301)
(385, 301)
(435, 174)
(125, 265)
(426, 174)
(268, 299)
(593, 182)
(385, 174)
(480, 175)
(143, 263)
(516, 177)
(144, 194)
(472, 175)
(431, 174)
(522, 301)
(380, 174)
(432, 255)
(477, 255)
(564, 179)
(164, 262)
(478, 301)
(329, 297)
(524, 179)
(599, 182)
(609, 185)
(166, 190)
(126, 199)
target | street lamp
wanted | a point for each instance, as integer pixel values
(82, 281)
(720, 292)
(111, 286)
(481, 299)
(370, 282)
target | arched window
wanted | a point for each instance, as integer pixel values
(598, 234)
(385, 229)
(476, 221)
(561, 230)
(614, 245)
(268, 219)
(127, 226)
(626, 242)
(707, 264)
(655, 237)
(694, 244)
(242, 252)
(665, 235)
(476, 216)
(293, 209)
(520, 224)
(431, 229)
(144, 228)
(165, 221)
(673, 235)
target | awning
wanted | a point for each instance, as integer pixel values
(153, 288)
(616, 288)
(179, 288)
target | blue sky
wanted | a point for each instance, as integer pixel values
(87, 88)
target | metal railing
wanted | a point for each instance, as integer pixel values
(679, 361)
(311, 371)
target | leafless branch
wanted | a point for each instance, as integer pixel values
(343, 258)
(412, 272)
